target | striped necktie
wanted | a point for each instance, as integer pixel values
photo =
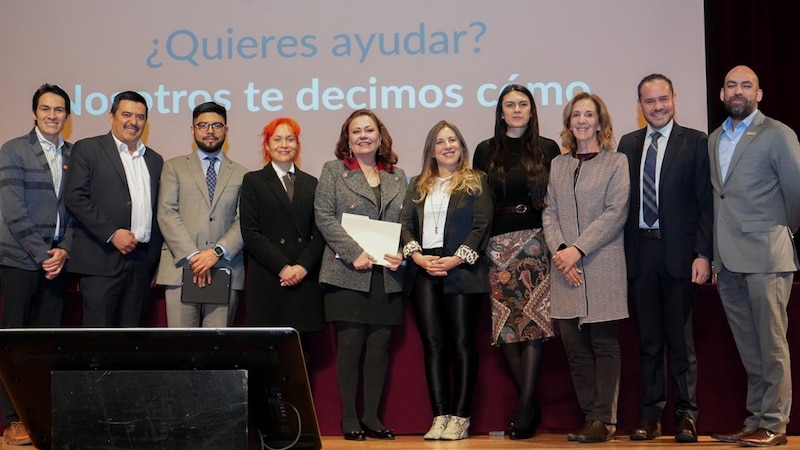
(649, 194)
(211, 177)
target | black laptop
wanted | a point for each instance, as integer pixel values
(160, 388)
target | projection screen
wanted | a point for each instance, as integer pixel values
(414, 62)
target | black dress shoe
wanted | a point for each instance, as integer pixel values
(357, 435)
(685, 430)
(378, 434)
(733, 437)
(647, 430)
(763, 437)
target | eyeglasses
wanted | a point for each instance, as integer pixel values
(204, 126)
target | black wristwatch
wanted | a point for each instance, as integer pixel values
(219, 251)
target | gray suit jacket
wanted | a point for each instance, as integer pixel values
(190, 223)
(345, 190)
(758, 205)
(29, 203)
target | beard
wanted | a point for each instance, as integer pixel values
(741, 111)
(210, 148)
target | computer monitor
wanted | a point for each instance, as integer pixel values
(279, 412)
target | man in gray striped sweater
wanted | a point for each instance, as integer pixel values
(34, 242)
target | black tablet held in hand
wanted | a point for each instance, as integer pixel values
(216, 293)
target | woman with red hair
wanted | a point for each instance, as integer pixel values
(284, 246)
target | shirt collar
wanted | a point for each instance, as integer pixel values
(202, 155)
(123, 147)
(728, 124)
(279, 172)
(47, 143)
(665, 131)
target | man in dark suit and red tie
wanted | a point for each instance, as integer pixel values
(668, 251)
(111, 191)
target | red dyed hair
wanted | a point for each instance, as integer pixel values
(269, 130)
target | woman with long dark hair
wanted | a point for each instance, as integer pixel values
(517, 161)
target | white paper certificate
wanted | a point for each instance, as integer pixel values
(376, 237)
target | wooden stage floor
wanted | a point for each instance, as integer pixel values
(543, 441)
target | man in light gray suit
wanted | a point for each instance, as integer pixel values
(34, 241)
(755, 174)
(198, 214)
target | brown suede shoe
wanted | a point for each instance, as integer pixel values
(598, 431)
(647, 430)
(16, 434)
(763, 437)
(685, 429)
(733, 436)
(575, 437)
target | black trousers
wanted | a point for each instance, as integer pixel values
(594, 362)
(29, 300)
(121, 300)
(662, 306)
(447, 326)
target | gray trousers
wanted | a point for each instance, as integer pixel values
(193, 315)
(755, 304)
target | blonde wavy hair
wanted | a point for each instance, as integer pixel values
(464, 177)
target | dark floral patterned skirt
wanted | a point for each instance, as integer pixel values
(519, 275)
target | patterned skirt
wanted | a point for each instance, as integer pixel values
(519, 275)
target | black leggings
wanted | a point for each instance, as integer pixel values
(447, 325)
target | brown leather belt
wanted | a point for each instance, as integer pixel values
(519, 209)
(645, 233)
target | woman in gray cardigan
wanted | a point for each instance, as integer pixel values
(587, 205)
(363, 298)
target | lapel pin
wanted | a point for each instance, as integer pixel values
(751, 133)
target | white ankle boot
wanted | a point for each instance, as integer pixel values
(456, 429)
(438, 427)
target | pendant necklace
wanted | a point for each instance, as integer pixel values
(437, 212)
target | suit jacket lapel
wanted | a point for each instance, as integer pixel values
(713, 159)
(112, 153)
(390, 188)
(275, 186)
(224, 175)
(455, 202)
(357, 182)
(195, 168)
(672, 149)
(636, 163)
(65, 153)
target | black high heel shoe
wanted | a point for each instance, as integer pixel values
(357, 435)
(378, 434)
(529, 431)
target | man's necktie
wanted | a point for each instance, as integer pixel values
(649, 194)
(288, 181)
(211, 177)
